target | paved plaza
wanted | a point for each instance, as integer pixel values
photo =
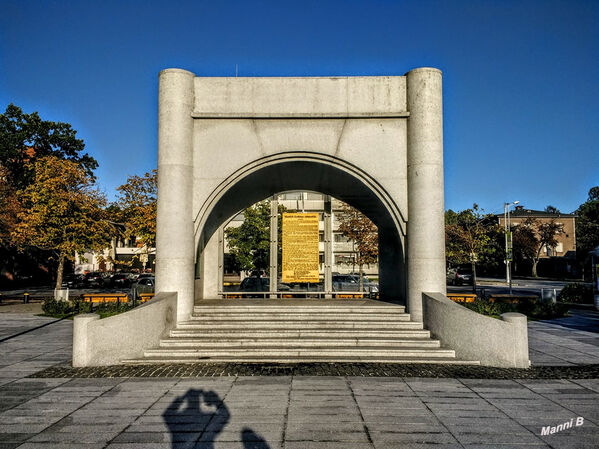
(294, 411)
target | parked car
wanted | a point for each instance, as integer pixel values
(93, 279)
(256, 284)
(459, 276)
(351, 283)
(73, 281)
(144, 284)
(119, 280)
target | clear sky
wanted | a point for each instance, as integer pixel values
(521, 78)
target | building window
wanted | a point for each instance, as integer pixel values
(314, 196)
(340, 238)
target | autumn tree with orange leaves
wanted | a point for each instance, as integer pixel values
(135, 210)
(357, 227)
(62, 211)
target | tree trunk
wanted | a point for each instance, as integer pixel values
(59, 271)
(534, 267)
(473, 276)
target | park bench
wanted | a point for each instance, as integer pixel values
(462, 297)
(104, 297)
(145, 297)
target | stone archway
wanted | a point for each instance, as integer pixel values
(375, 142)
(304, 171)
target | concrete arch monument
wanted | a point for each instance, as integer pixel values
(373, 142)
(385, 133)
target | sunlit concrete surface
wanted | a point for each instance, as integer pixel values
(294, 412)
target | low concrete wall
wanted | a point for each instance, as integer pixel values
(111, 340)
(502, 343)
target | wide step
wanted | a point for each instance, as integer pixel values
(279, 316)
(264, 342)
(300, 359)
(304, 324)
(301, 333)
(263, 331)
(297, 351)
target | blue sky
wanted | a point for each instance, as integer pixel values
(521, 78)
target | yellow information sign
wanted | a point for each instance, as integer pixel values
(300, 247)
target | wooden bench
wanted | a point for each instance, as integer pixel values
(145, 297)
(462, 297)
(349, 295)
(105, 297)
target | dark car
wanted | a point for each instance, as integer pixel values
(94, 279)
(119, 280)
(73, 281)
(144, 284)
(351, 283)
(258, 284)
(459, 276)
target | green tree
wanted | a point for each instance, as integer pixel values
(533, 235)
(249, 243)
(62, 212)
(26, 138)
(587, 225)
(357, 227)
(470, 237)
(135, 210)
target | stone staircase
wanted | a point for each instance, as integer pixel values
(288, 331)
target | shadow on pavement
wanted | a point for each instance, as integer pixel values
(199, 416)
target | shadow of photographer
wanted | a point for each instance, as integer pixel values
(199, 416)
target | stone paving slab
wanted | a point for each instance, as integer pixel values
(327, 406)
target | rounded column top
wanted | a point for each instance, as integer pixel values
(425, 69)
(175, 70)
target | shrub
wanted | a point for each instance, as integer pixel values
(576, 293)
(61, 309)
(535, 310)
(485, 307)
(107, 309)
(58, 309)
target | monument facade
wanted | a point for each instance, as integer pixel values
(375, 143)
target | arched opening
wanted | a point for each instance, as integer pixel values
(306, 173)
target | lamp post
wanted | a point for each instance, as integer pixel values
(508, 242)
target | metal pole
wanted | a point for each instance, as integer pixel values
(328, 247)
(507, 270)
(221, 257)
(509, 263)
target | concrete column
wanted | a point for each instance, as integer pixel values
(221, 258)
(174, 233)
(426, 227)
(274, 245)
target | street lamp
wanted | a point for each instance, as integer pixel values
(508, 242)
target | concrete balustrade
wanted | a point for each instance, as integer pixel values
(111, 340)
(502, 343)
